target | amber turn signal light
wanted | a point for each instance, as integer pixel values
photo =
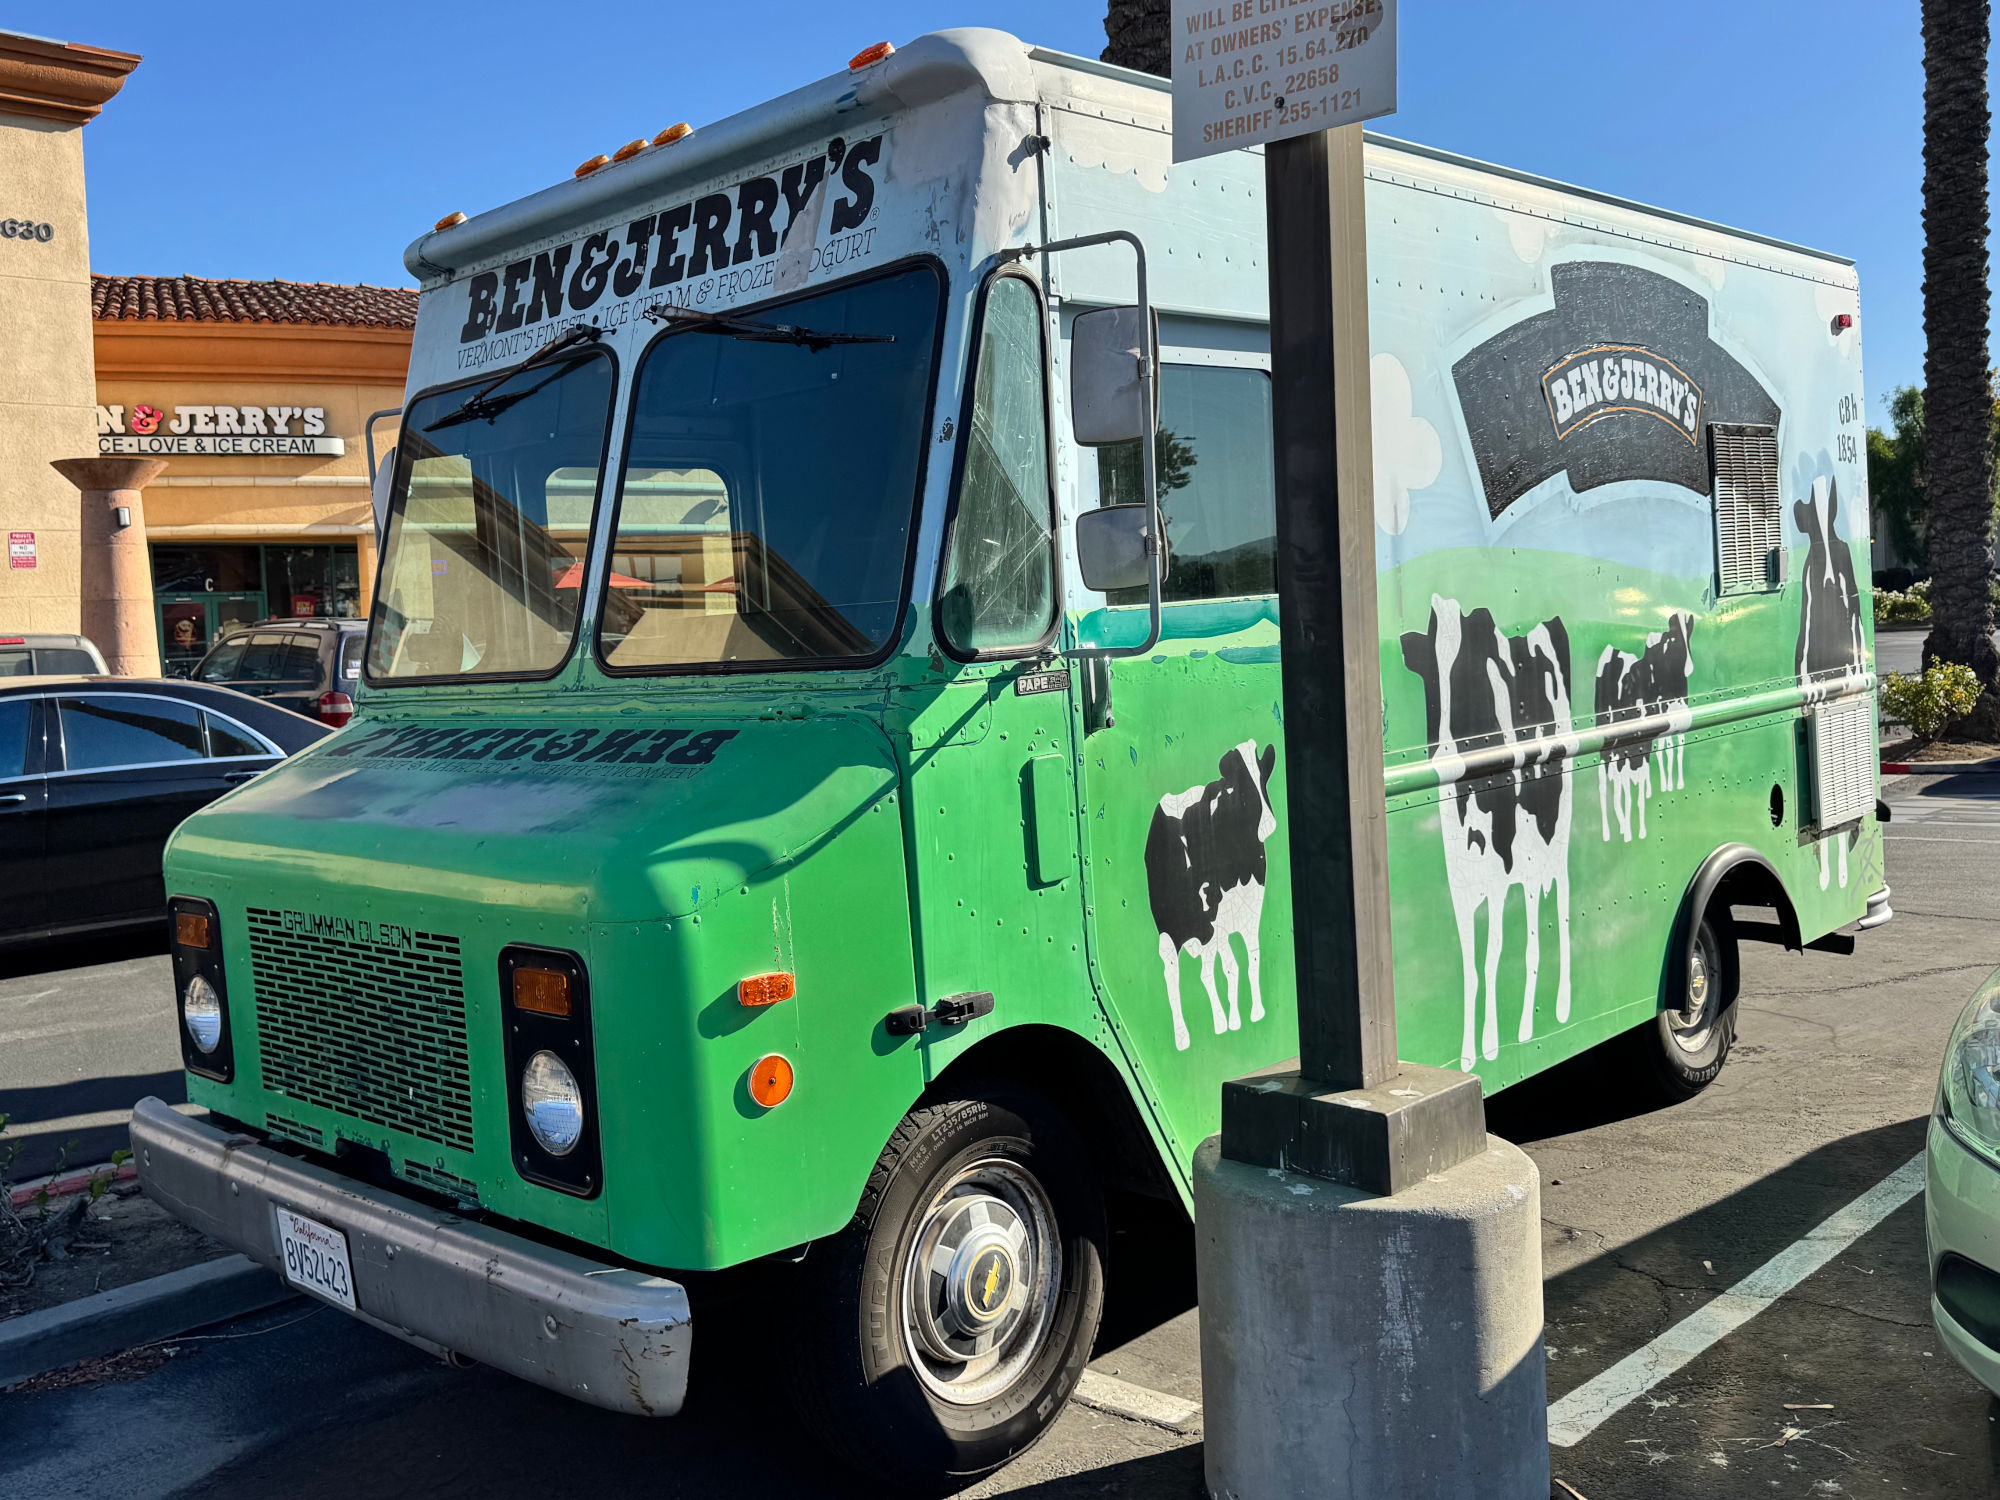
(765, 989)
(586, 168)
(543, 991)
(674, 132)
(870, 55)
(771, 1081)
(191, 929)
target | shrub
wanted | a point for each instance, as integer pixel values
(1912, 606)
(1929, 702)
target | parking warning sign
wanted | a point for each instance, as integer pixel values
(20, 549)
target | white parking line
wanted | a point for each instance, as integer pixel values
(1578, 1414)
(1121, 1398)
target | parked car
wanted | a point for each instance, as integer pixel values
(1962, 1191)
(309, 666)
(49, 656)
(96, 772)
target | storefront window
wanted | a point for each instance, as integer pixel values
(201, 591)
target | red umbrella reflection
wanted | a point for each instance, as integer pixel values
(571, 577)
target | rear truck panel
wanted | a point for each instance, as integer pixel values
(1590, 688)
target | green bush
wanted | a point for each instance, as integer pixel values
(1929, 702)
(1911, 607)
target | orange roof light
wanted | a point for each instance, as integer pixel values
(867, 57)
(449, 221)
(765, 989)
(771, 1081)
(543, 991)
(592, 165)
(629, 150)
(672, 133)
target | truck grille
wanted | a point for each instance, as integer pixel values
(369, 1030)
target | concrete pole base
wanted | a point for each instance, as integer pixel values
(1365, 1346)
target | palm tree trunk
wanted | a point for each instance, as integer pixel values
(1139, 34)
(1958, 381)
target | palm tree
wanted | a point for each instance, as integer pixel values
(1139, 33)
(1958, 381)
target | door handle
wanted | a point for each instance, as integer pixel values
(15, 797)
(241, 775)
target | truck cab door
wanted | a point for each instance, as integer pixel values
(1186, 868)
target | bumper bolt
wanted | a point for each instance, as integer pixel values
(549, 1323)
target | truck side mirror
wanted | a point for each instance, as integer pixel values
(1107, 400)
(1111, 547)
(378, 487)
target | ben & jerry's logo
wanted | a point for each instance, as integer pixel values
(1615, 381)
(673, 751)
(717, 247)
(1610, 381)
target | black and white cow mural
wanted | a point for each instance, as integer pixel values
(1497, 713)
(1205, 880)
(1830, 638)
(1653, 687)
(1831, 644)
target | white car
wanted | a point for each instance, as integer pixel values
(1962, 1191)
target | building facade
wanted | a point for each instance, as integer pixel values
(258, 395)
(48, 92)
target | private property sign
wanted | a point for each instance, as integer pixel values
(1251, 71)
(20, 549)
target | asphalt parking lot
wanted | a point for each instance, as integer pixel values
(1836, 1387)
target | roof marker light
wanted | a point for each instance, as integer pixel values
(1842, 322)
(593, 165)
(676, 132)
(449, 221)
(867, 57)
(629, 150)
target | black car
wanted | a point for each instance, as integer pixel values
(96, 772)
(308, 666)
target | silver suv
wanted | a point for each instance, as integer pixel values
(50, 656)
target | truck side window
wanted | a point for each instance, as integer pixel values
(1218, 490)
(999, 588)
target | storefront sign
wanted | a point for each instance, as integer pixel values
(20, 549)
(284, 431)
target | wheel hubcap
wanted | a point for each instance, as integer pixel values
(1692, 1023)
(979, 1284)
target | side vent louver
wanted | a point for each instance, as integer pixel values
(1749, 517)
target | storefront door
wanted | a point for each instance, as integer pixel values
(189, 624)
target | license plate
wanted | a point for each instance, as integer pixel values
(316, 1258)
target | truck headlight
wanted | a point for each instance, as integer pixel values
(201, 1013)
(201, 989)
(1971, 1084)
(552, 1103)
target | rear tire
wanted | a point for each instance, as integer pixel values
(1681, 1049)
(946, 1326)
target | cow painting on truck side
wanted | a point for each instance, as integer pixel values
(746, 776)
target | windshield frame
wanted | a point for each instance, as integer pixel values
(399, 484)
(892, 641)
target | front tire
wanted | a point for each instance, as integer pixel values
(1681, 1050)
(948, 1323)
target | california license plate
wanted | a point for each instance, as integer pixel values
(316, 1258)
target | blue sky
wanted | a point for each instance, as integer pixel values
(313, 143)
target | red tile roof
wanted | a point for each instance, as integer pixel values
(194, 299)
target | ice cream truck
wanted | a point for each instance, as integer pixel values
(816, 804)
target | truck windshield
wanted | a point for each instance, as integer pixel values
(489, 522)
(765, 512)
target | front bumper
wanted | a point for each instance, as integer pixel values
(1961, 1216)
(614, 1337)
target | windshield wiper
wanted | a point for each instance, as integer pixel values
(736, 326)
(482, 404)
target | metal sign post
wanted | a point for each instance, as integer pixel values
(1282, 75)
(1348, 1328)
